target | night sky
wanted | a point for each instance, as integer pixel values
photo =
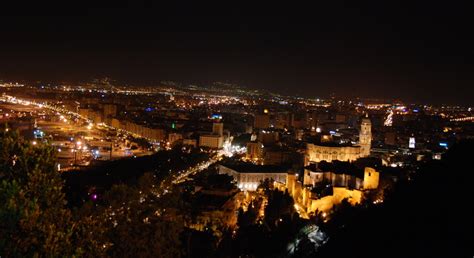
(420, 52)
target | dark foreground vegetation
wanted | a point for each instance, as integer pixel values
(426, 216)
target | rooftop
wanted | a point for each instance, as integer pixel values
(334, 144)
(337, 167)
(210, 202)
(247, 167)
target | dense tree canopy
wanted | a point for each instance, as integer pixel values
(34, 220)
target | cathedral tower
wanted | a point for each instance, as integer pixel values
(365, 136)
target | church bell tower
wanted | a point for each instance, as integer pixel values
(365, 136)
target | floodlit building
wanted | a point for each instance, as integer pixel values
(174, 137)
(248, 176)
(365, 137)
(155, 134)
(254, 151)
(215, 140)
(328, 185)
(190, 142)
(329, 151)
(211, 141)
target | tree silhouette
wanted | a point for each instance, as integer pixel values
(280, 205)
(34, 220)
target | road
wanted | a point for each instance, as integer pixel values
(77, 140)
(182, 176)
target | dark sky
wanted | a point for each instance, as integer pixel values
(419, 51)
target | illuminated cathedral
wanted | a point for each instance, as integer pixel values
(333, 151)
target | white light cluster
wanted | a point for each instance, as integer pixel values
(248, 186)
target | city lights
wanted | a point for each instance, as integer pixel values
(267, 130)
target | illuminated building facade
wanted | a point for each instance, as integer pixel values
(174, 137)
(248, 176)
(365, 137)
(318, 153)
(321, 190)
(254, 151)
(211, 141)
(333, 151)
(215, 140)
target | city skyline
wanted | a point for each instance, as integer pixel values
(416, 53)
(132, 128)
